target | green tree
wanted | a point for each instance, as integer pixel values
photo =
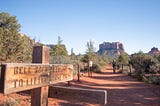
(142, 63)
(26, 48)
(59, 53)
(104, 57)
(158, 58)
(93, 56)
(9, 22)
(73, 56)
(103, 60)
(90, 52)
(123, 59)
(59, 50)
(13, 46)
(90, 47)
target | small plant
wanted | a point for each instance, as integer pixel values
(96, 68)
(11, 102)
(60, 60)
(152, 79)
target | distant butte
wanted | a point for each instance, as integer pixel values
(112, 49)
(154, 51)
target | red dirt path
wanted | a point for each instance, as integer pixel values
(122, 90)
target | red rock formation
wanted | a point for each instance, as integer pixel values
(113, 45)
(154, 51)
(113, 49)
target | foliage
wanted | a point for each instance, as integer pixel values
(104, 57)
(9, 22)
(59, 50)
(60, 60)
(59, 53)
(73, 56)
(152, 79)
(91, 55)
(87, 57)
(96, 68)
(90, 47)
(90, 52)
(103, 60)
(76, 60)
(25, 49)
(123, 59)
(14, 47)
(11, 102)
(158, 58)
(143, 63)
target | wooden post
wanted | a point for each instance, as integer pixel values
(78, 73)
(88, 70)
(130, 69)
(122, 67)
(39, 96)
(91, 71)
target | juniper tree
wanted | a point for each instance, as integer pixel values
(13, 46)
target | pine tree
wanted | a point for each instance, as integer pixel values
(13, 46)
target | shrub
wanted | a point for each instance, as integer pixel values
(152, 79)
(142, 63)
(96, 68)
(60, 60)
(11, 102)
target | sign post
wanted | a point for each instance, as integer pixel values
(39, 96)
(78, 72)
(36, 76)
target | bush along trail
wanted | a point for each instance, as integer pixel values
(122, 90)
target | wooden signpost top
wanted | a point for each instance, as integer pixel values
(20, 76)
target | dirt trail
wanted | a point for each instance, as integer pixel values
(122, 90)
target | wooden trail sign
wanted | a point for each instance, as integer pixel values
(36, 76)
(19, 76)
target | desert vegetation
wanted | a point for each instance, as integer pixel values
(140, 65)
(17, 47)
(14, 47)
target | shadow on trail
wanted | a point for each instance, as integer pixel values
(113, 77)
(71, 104)
(133, 97)
(127, 94)
(123, 90)
(109, 68)
(106, 73)
(87, 84)
(124, 94)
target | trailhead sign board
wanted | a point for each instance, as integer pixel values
(17, 77)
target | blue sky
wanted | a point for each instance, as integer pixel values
(135, 23)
